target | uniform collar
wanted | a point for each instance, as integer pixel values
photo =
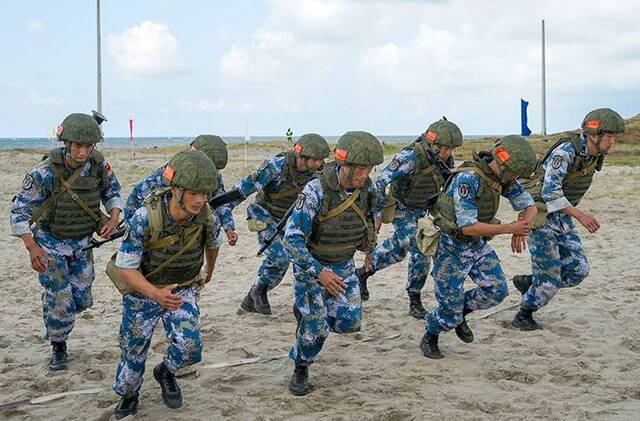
(583, 146)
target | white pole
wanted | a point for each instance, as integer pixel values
(99, 61)
(544, 88)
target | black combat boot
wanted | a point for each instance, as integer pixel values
(363, 275)
(260, 299)
(429, 346)
(247, 304)
(524, 320)
(522, 283)
(58, 356)
(299, 384)
(128, 405)
(416, 309)
(171, 393)
(462, 330)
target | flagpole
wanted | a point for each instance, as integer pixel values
(99, 59)
(544, 87)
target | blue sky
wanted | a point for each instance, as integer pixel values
(181, 68)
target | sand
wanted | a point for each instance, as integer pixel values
(585, 364)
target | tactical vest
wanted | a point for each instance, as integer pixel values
(579, 174)
(413, 190)
(339, 231)
(65, 218)
(487, 200)
(279, 198)
(173, 253)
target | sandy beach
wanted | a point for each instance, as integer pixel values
(585, 364)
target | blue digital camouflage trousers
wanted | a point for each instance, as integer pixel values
(276, 261)
(67, 291)
(557, 261)
(394, 249)
(321, 312)
(453, 262)
(140, 315)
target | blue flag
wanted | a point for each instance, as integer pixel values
(523, 118)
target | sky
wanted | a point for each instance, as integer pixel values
(182, 68)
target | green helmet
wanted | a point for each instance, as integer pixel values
(444, 133)
(311, 145)
(602, 120)
(192, 170)
(79, 128)
(515, 153)
(358, 148)
(214, 147)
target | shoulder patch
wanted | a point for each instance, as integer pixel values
(107, 167)
(557, 162)
(463, 189)
(27, 183)
(394, 164)
(300, 201)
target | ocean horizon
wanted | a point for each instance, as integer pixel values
(161, 141)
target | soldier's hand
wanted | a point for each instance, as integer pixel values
(518, 243)
(332, 282)
(589, 222)
(232, 237)
(520, 227)
(378, 224)
(167, 299)
(108, 228)
(38, 258)
(368, 260)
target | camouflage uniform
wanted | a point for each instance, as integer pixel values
(70, 272)
(319, 311)
(394, 249)
(557, 257)
(140, 314)
(455, 259)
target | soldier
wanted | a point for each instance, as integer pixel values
(565, 174)
(160, 261)
(333, 217)
(63, 195)
(416, 176)
(289, 135)
(279, 180)
(465, 214)
(215, 148)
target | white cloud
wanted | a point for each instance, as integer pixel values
(37, 99)
(35, 26)
(220, 104)
(145, 50)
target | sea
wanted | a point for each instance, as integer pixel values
(161, 141)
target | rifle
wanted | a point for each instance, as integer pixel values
(439, 163)
(120, 231)
(281, 223)
(226, 197)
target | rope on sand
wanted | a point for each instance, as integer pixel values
(493, 313)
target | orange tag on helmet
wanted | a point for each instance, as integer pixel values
(432, 136)
(59, 130)
(502, 154)
(297, 148)
(593, 124)
(169, 172)
(193, 148)
(340, 154)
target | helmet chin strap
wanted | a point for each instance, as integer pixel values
(180, 197)
(597, 144)
(67, 153)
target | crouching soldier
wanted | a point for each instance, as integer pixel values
(465, 214)
(158, 269)
(333, 217)
(62, 196)
(565, 174)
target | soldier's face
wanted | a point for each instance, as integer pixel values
(79, 153)
(314, 164)
(193, 201)
(359, 174)
(445, 152)
(608, 140)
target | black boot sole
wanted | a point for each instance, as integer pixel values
(465, 335)
(427, 352)
(248, 305)
(524, 326)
